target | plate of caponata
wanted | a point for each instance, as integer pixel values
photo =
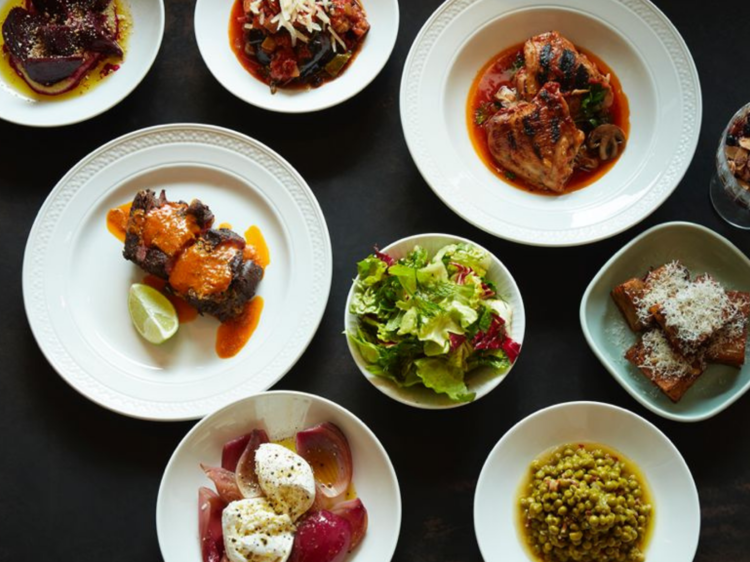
(76, 282)
(638, 49)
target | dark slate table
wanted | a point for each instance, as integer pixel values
(79, 483)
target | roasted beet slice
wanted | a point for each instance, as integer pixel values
(50, 70)
(50, 7)
(19, 32)
(58, 40)
(322, 537)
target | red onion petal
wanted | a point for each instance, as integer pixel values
(225, 482)
(210, 506)
(247, 480)
(233, 449)
(327, 450)
(353, 511)
(322, 537)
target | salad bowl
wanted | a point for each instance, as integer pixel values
(676, 523)
(281, 414)
(479, 381)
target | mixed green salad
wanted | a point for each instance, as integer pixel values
(431, 320)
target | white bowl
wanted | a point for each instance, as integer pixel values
(141, 48)
(211, 32)
(632, 36)
(282, 414)
(677, 518)
(608, 335)
(481, 381)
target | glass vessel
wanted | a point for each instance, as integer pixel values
(730, 194)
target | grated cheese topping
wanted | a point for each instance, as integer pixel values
(698, 310)
(661, 285)
(296, 16)
(662, 359)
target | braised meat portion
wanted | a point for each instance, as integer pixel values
(209, 268)
(54, 43)
(159, 230)
(536, 139)
(215, 276)
(550, 57)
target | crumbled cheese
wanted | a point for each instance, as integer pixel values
(698, 310)
(661, 359)
(670, 279)
(309, 15)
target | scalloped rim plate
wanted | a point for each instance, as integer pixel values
(212, 34)
(282, 414)
(141, 49)
(702, 251)
(677, 514)
(75, 280)
(633, 37)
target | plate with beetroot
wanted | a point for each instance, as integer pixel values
(65, 61)
(279, 476)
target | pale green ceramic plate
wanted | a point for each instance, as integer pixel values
(701, 250)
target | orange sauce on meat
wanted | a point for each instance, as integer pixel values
(203, 272)
(206, 273)
(107, 66)
(185, 311)
(498, 72)
(117, 221)
(256, 248)
(169, 228)
(232, 335)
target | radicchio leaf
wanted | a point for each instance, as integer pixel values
(385, 258)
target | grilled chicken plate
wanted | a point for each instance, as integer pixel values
(536, 140)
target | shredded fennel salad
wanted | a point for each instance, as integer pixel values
(431, 320)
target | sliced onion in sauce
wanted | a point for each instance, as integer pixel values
(327, 450)
(247, 479)
(225, 482)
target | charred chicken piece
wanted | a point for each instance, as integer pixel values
(550, 57)
(215, 276)
(536, 140)
(159, 230)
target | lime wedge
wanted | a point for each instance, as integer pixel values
(152, 314)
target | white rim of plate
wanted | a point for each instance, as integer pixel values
(675, 169)
(292, 393)
(120, 91)
(684, 418)
(330, 94)
(39, 240)
(484, 476)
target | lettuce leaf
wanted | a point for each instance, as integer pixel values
(443, 378)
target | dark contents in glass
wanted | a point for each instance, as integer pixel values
(297, 44)
(586, 503)
(546, 117)
(737, 150)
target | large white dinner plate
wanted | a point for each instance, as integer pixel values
(212, 34)
(676, 508)
(632, 36)
(75, 280)
(281, 414)
(142, 45)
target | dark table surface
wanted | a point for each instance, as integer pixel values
(79, 483)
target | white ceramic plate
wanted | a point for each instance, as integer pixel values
(481, 381)
(75, 280)
(211, 32)
(608, 335)
(282, 414)
(632, 36)
(141, 48)
(677, 517)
